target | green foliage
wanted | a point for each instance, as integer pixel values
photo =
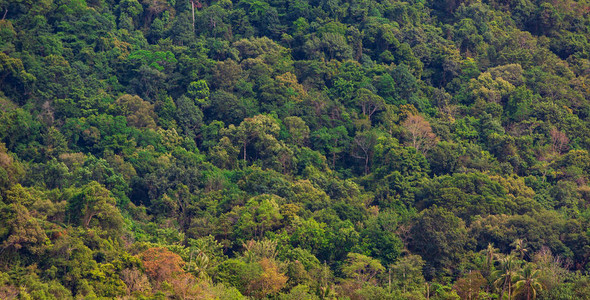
(361, 267)
(440, 238)
(93, 202)
(163, 149)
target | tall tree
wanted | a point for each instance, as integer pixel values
(528, 282)
(94, 202)
(439, 237)
(362, 268)
(420, 135)
(505, 275)
(362, 147)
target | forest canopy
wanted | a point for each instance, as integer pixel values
(294, 149)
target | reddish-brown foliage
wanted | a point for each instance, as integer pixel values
(270, 281)
(559, 140)
(420, 133)
(161, 264)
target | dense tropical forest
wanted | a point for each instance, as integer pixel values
(294, 149)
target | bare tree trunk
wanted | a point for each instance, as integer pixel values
(389, 286)
(333, 160)
(193, 8)
(87, 219)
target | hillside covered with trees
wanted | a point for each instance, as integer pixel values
(294, 149)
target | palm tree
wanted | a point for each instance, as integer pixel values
(199, 265)
(518, 245)
(528, 282)
(506, 274)
(490, 252)
(490, 255)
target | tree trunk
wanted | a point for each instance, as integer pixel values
(528, 292)
(333, 160)
(389, 285)
(87, 219)
(193, 8)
